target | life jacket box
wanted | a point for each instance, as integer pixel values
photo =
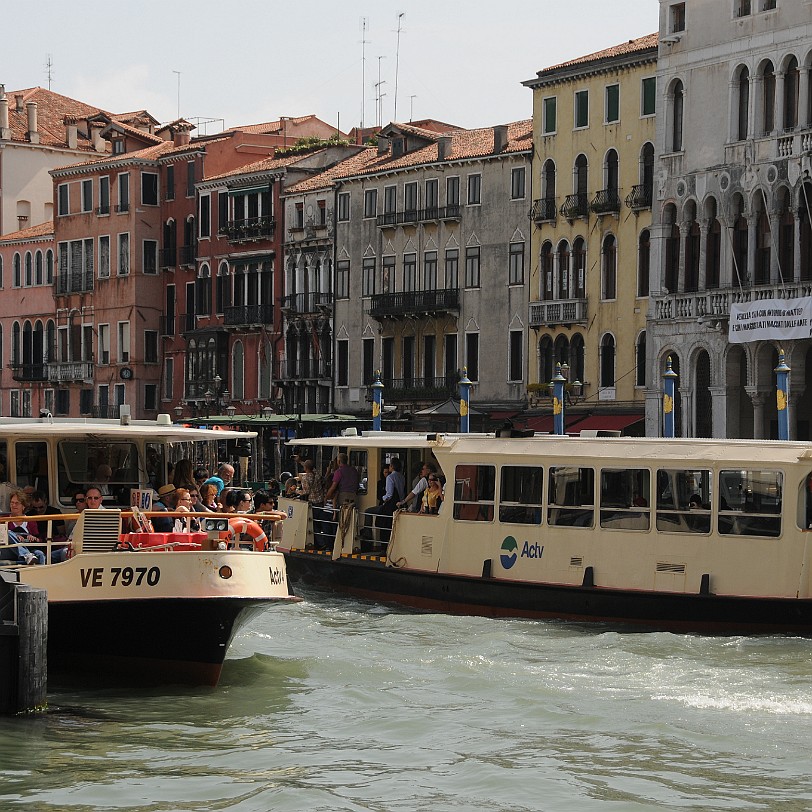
(147, 539)
(189, 541)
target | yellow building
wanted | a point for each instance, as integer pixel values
(593, 173)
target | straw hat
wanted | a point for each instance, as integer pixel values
(165, 490)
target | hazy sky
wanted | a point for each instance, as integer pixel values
(251, 61)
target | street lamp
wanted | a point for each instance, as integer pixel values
(179, 409)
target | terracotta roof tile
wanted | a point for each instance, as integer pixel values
(353, 165)
(632, 46)
(265, 165)
(270, 126)
(31, 233)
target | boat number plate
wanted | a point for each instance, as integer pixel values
(120, 576)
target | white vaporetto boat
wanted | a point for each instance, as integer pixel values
(154, 607)
(680, 534)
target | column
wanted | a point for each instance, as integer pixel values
(719, 411)
(758, 398)
(704, 227)
(684, 236)
(803, 98)
(752, 227)
(796, 248)
(775, 242)
(780, 79)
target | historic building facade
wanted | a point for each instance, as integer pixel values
(731, 212)
(593, 130)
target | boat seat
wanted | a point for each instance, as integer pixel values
(97, 531)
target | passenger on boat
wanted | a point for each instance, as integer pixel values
(183, 504)
(395, 492)
(183, 476)
(208, 497)
(103, 475)
(201, 475)
(432, 496)
(311, 487)
(164, 502)
(225, 473)
(414, 499)
(40, 507)
(344, 487)
(22, 533)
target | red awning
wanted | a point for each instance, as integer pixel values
(543, 423)
(605, 422)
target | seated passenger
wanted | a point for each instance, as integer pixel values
(22, 532)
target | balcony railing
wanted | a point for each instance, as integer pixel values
(28, 372)
(410, 216)
(168, 257)
(167, 325)
(254, 228)
(307, 302)
(67, 371)
(605, 201)
(187, 254)
(543, 210)
(420, 388)
(575, 206)
(639, 197)
(558, 311)
(305, 370)
(76, 282)
(243, 315)
(414, 302)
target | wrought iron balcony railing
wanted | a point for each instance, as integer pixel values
(187, 254)
(543, 210)
(639, 197)
(575, 206)
(28, 372)
(605, 201)
(253, 228)
(419, 388)
(107, 411)
(414, 302)
(557, 311)
(434, 213)
(168, 257)
(243, 315)
(307, 302)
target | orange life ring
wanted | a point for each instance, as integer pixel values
(241, 525)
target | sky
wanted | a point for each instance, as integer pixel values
(221, 63)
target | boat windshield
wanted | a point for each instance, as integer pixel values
(112, 465)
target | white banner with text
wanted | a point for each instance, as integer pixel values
(770, 320)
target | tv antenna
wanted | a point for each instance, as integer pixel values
(364, 22)
(397, 64)
(49, 70)
(178, 73)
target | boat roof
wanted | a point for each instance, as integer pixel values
(695, 451)
(162, 429)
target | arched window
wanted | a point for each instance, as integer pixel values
(576, 360)
(643, 262)
(265, 370)
(17, 279)
(203, 291)
(49, 267)
(29, 270)
(713, 247)
(561, 350)
(545, 359)
(548, 184)
(1, 271)
(704, 402)
(608, 361)
(28, 343)
(50, 342)
(672, 249)
(743, 104)
(786, 237)
(563, 270)
(768, 99)
(640, 360)
(678, 102)
(692, 240)
(238, 371)
(792, 86)
(38, 271)
(579, 268)
(611, 168)
(223, 288)
(609, 267)
(547, 271)
(740, 242)
(805, 230)
(16, 356)
(582, 182)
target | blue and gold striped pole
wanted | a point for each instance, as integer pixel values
(782, 395)
(377, 401)
(465, 401)
(669, 385)
(558, 400)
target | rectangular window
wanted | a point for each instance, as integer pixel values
(104, 344)
(204, 216)
(410, 197)
(452, 268)
(150, 346)
(368, 272)
(370, 203)
(169, 178)
(367, 361)
(343, 362)
(677, 18)
(87, 342)
(430, 270)
(648, 96)
(343, 279)
(222, 212)
(123, 193)
(624, 498)
(104, 257)
(516, 356)
(432, 194)
(472, 355)
(85, 401)
(474, 492)
(409, 272)
(149, 188)
(516, 264)
(452, 191)
(548, 113)
(87, 195)
(571, 496)
(520, 492)
(104, 195)
(472, 266)
(150, 256)
(612, 104)
(169, 378)
(388, 275)
(124, 342)
(322, 208)
(150, 397)
(123, 254)
(390, 199)
(683, 500)
(343, 207)
(517, 183)
(190, 179)
(742, 8)
(750, 503)
(429, 358)
(15, 403)
(450, 357)
(63, 199)
(581, 109)
(474, 190)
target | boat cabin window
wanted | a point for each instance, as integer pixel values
(31, 465)
(805, 504)
(624, 498)
(474, 492)
(113, 466)
(571, 497)
(684, 498)
(520, 494)
(750, 503)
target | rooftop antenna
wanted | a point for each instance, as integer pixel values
(363, 67)
(49, 72)
(178, 73)
(411, 106)
(378, 96)
(397, 64)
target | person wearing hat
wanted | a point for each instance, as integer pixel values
(164, 502)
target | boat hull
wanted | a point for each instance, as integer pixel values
(369, 577)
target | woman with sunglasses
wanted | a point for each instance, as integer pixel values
(432, 496)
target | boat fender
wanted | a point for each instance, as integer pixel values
(241, 525)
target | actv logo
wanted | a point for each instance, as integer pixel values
(510, 551)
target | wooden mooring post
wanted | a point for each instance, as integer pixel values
(23, 647)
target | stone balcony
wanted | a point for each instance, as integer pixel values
(558, 312)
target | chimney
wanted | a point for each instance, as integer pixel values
(71, 131)
(383, 145)
(5, 130)
(18, 101)
(499, 138)
(182, 136)
(95, 136)
(33, 135)
(444, 147)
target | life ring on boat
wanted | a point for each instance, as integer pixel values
(240, 525)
